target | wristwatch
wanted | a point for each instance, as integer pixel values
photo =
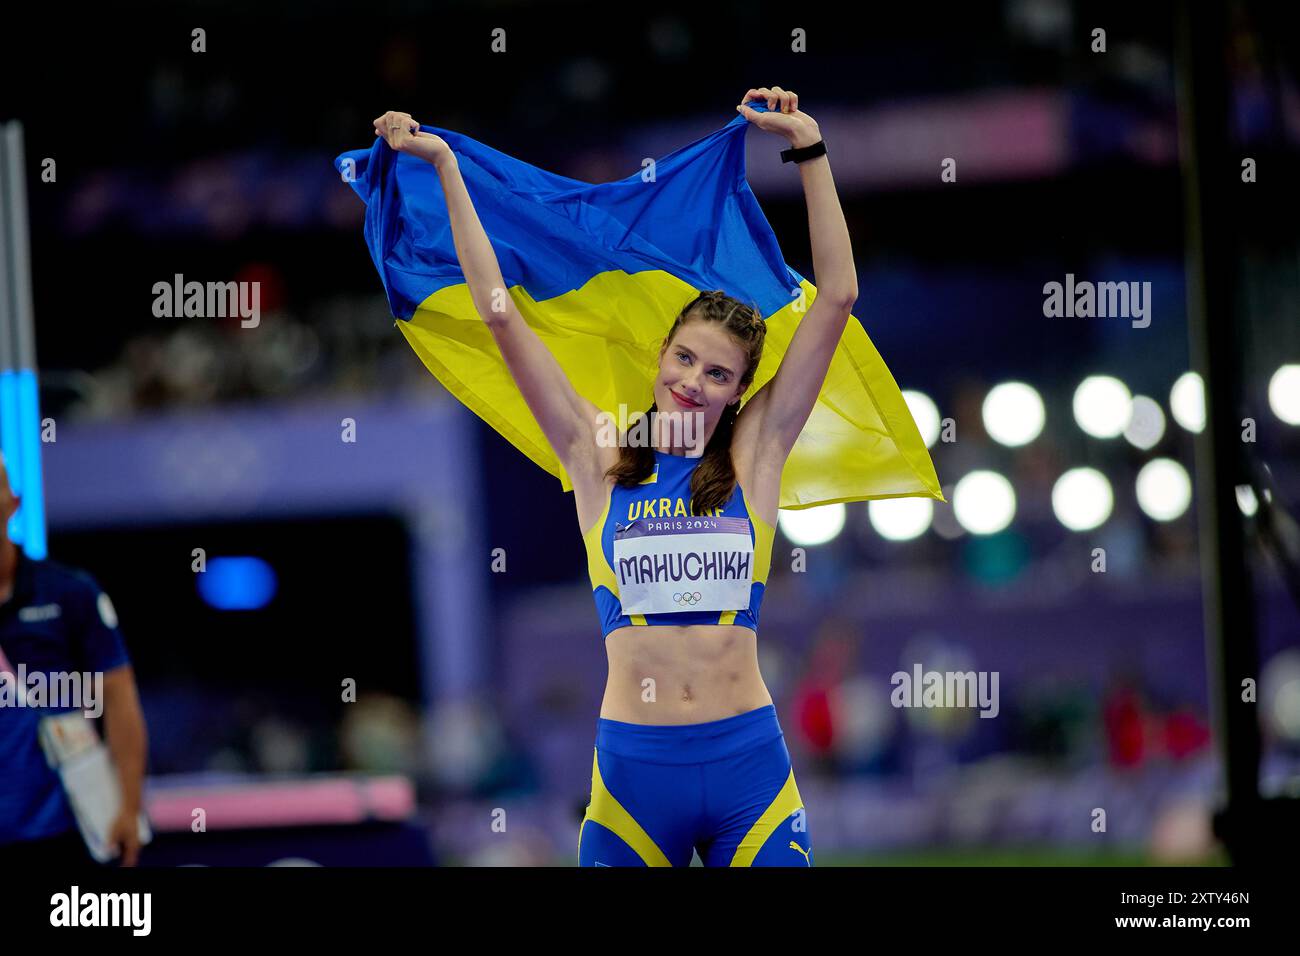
(798, 155)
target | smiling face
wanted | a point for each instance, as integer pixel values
(700, 372)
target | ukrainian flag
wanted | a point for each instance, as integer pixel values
(600, 272)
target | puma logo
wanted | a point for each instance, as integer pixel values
(796, 846)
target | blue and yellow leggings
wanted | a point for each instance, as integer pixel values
(723, 788)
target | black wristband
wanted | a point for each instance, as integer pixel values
(801, 153)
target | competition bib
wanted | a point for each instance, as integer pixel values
(683, 564)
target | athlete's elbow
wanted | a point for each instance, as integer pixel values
(495, 307)
(497, 316)
(495, 322)
(843, 299)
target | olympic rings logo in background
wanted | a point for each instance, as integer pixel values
(687, 598)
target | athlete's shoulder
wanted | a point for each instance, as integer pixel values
(66, 578)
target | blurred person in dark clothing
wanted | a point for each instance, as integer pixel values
(56, 620)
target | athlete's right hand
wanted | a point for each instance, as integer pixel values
(404, 135)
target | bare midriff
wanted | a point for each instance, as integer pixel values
(682, 675)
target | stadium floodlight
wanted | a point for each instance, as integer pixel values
(811, 526)
(900, 519)
(1082, 499)
(1146, 426)
(1279, 694)
(1102, 406)
(1164, 489)
(1013, 413)
(1187, 401)
(1284, 394)
(925, 413)
(984, 502)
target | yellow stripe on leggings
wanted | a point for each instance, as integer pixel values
(785, 803)
(609, 813)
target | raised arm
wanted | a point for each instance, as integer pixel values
(567, 419)
(771, 421)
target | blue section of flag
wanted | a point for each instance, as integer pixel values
(697, 220)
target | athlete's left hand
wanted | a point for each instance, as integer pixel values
(403, 134)
(783, 117)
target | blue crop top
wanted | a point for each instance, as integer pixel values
(669, 558)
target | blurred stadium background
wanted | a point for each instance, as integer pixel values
(479, 691)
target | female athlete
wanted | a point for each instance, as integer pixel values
(689, 755)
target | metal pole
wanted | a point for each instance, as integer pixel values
(9, 443)
(1231, 645)
(25, 473)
